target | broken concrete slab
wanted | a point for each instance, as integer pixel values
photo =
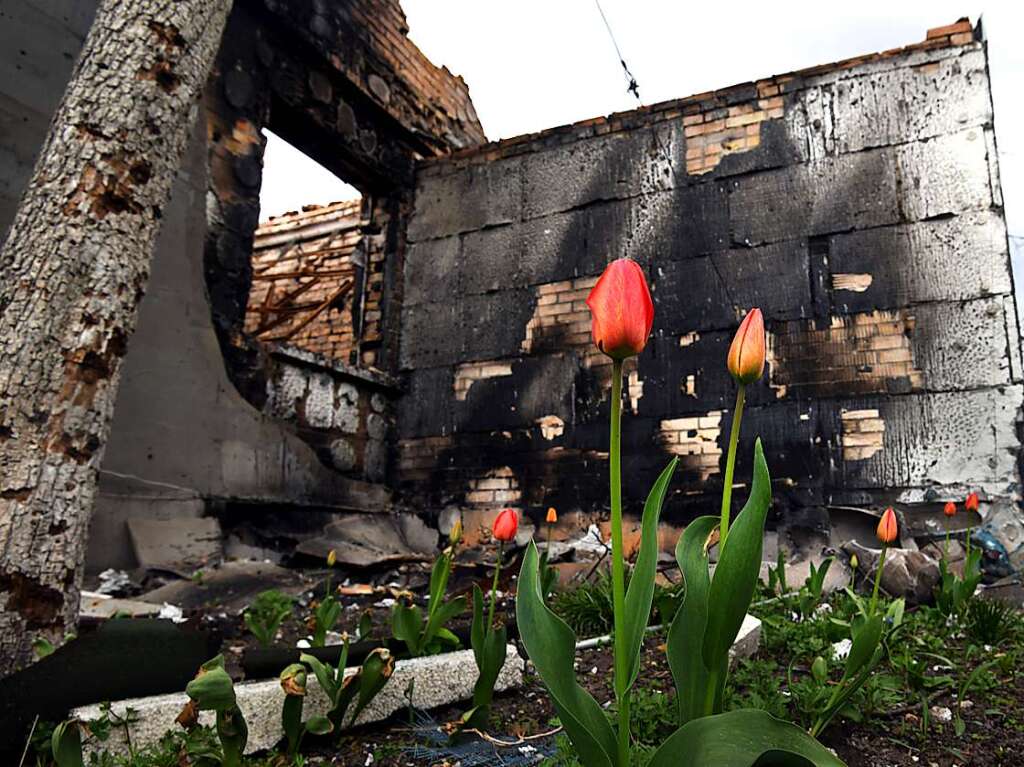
(437, 680)
(231, 586)
(180, 545)
(363, 540)
(101, 607)
(909, 574)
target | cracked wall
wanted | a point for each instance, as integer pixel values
(856, 203)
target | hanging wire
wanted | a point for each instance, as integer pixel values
(632, 87)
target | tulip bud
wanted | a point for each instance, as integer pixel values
(293, 680)
(746, 355)
(887, 527)
(949, 509)
(971, 504)
(505, 525)
(456, 533)
(552, 516)
(854, 562)
(621, 310)
(332, 557)
(819, 670)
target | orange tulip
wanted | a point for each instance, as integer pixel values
(971, 504)
(887, 527)
(552, 516)
(505, 525)
(949, 509)
(746, 355)
(621, 310)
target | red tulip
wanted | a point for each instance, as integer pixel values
(505, 525)
(621, 309)
(971, 504)
(887, 527)
(949, 509)
(746, 355)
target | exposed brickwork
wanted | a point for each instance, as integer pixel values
(497, 487)
(695, 440)
(863, 434)
(312, 252)
(713, 133)
(466, 374)
(858, 353)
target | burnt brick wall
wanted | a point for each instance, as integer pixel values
(857, 204)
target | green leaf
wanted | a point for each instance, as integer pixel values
(744, 738)
(739, 564)
(324, 675)
(291, 721)
(66, 745)
(439, 579)
(319, 725)
(686, 634)
(866, 637)
(440, 616)
(551, 645)
(640, 593)
(375, 673)
(476, 632)
(493, 658)
(233, 733)
(406, 622)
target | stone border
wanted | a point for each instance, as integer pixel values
(438, 680)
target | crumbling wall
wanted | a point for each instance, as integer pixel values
(857, 204)
(205, 414)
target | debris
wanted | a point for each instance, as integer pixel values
(941, 714)
(231, 586)
(172, 613)
(365, 540)
(357, 590)
(909, 574)
(115, 583)
(102, 607)
(842, 648)
(181, 545)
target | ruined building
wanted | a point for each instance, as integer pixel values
(427, 348)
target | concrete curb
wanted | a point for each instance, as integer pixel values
(437, 680)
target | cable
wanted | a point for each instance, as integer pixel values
(633, 87)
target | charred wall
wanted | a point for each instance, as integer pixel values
(857, 204)
(204, 415)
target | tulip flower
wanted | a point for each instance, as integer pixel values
(505, 525)
(887, 527)
(746, 364)
(504, 529)
(887, 532)
(621, 310)
(552, 516)
(456, 533)
(746, 355)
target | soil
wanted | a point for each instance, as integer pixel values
(994, 733)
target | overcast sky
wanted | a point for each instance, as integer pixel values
(534, 65)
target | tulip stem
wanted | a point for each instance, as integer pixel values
(730, 463)
(618, 568)
(494, 585)
(878, 577)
